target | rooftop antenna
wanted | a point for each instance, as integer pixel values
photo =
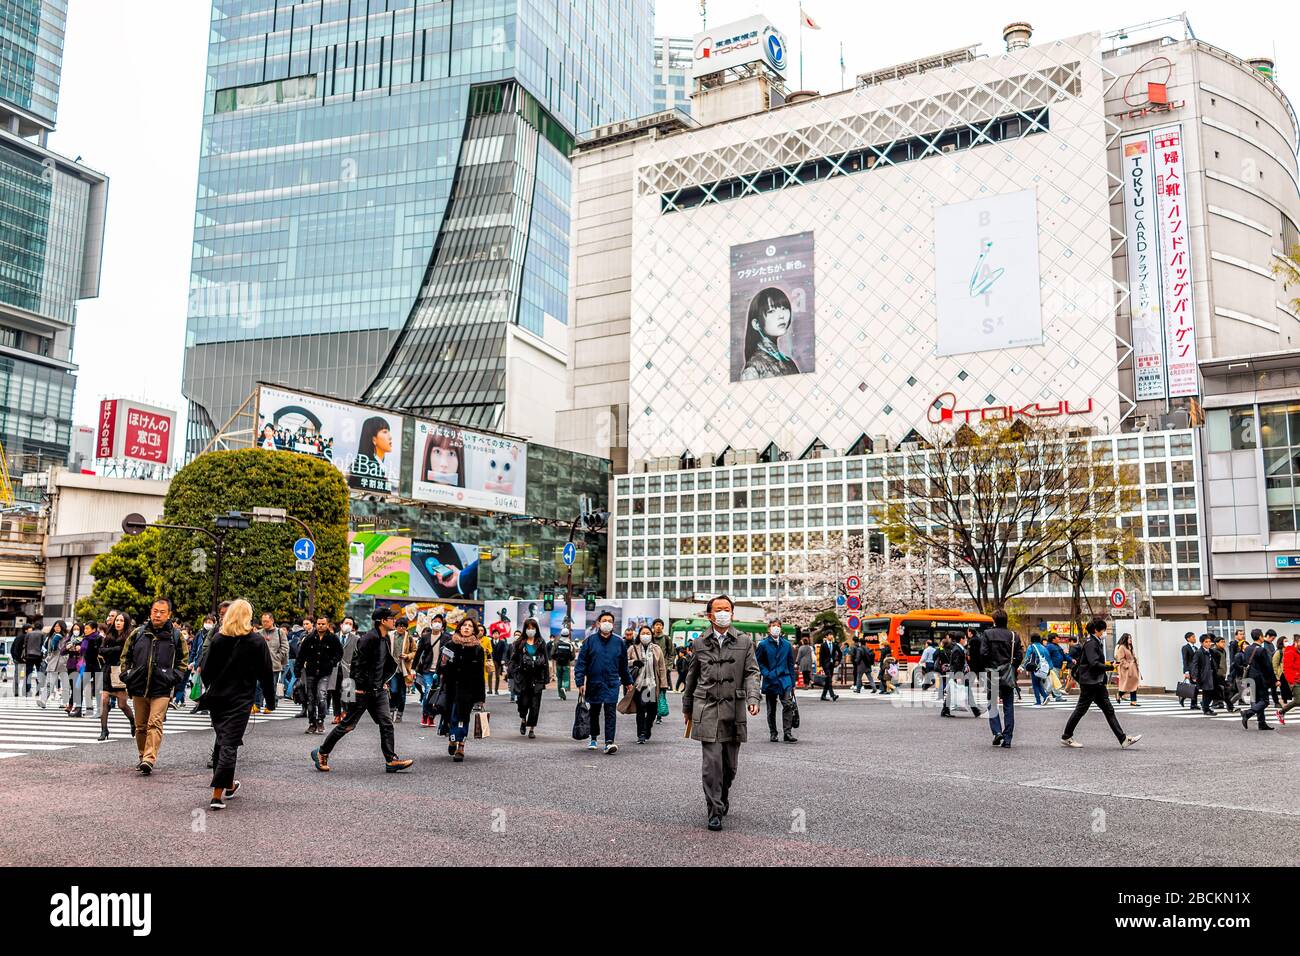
(704, 14)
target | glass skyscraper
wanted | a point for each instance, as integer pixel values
(51, 238)
(383, 196)
(674, 60)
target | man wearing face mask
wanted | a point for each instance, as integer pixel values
(342, 674)
(723, 672)
(600, 672)
(776, 663)
(561, 651)
(426, 661)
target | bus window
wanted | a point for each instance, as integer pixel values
(875, 629)
(914, 634)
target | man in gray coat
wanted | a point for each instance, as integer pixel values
(723, 671)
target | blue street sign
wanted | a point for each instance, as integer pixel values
(570, 553)
(304, 549)
(840, 600)
(1288, 561)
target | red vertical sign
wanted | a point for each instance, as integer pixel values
(107, 430)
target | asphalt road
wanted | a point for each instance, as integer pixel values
(868, 783)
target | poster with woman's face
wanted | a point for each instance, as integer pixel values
(365, 444)
(468, 469)
(773, 332)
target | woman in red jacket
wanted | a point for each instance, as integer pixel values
(1291, 674)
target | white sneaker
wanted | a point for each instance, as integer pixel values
(1070, 742)
(1130, 740)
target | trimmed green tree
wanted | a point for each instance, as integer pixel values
(258, 562)
(126, 579)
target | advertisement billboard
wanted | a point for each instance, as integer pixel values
(466, 469)
(1140, 226)
(1175, 261)
(986, 274)
(773, 310)
(751, 40)
(444, 569)
(365, 444)
(133, 430)
(379, 564)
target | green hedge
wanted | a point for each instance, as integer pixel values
(258, 563)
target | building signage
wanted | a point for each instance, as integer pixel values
(1175, 261)
(751, 40)
(134, 431)
(944, 410)
(986, 274)
(466, 469)
(1287, 561)
(1143, 274)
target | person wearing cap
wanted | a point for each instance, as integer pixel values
(561, 654)
(372, 666)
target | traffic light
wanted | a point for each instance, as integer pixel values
(591, 602)
(548, 600)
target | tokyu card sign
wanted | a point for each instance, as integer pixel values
(1175, 261)
(1141, 225)
(134, 431)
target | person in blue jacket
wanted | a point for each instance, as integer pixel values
(599, 673)
(776, 664)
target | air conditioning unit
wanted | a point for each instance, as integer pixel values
(880, 444)
(909, 446)
(948, 147)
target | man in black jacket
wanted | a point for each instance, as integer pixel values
(997, 650)
(153, 663)
(1090, 670)
(319, 652)
(1258, 668)
(372, 665)
(27, 653)
(1205, 673)
(1188, 652)
(960, 676)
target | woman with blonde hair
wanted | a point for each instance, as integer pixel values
(238, 659)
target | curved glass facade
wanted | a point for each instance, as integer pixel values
(333, 135)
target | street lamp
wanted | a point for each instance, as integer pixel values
(134, 524)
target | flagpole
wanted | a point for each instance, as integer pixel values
(841, 64)
(801, 46)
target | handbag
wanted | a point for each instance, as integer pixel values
(439, 705)
(1056, 681)
(482, 728)
(663, 703)
(581, 720)
(628, 704)
(115, 678)
(794, 706)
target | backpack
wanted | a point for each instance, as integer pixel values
(563, 650)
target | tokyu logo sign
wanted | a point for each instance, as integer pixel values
(944, 409)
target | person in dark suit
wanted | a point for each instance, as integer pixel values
(1205, 673)
(1091, 671)
(1189, 651)
(1257, 667)
(828, 656)
(997, 652)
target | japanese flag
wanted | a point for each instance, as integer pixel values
(808, 21)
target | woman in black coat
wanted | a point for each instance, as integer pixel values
(460, 669)
(530, 672)
(237, 660)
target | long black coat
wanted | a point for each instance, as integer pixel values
(1204, 670)
(235, 666)
(462, 675)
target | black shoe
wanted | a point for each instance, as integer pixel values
(997, 740)
(144, 768)
(1245, 721)
(715, 822)
(532, 734)
(640, 739)
(790, 739)
(976, 711)
(774, 736)
(103, 734)
(1267, 727)
(523, 727)
(945, 713)
(562, 697)
(1006, 744)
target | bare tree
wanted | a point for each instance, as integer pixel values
(1005, 506)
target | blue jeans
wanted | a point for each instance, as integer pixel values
(290, 678)
(458, 728)
(611, 721)
(427, 682)
(1008, 698)
(1041, 693)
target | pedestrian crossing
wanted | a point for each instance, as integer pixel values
(1150, 705)
(26, 729)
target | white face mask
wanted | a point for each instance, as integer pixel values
(346, 628)
(531, 632)
(645, 638)
(436, 627)
(775, 631)
(722, 619)
(606, 627)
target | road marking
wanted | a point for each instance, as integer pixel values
(1176, 801)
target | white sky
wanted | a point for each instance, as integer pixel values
(132, 95)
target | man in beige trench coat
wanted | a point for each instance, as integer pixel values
(722, 683)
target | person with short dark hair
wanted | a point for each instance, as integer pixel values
(1257, 667)
(722, 686)
(1204, 673)
(664, 641)
(153, 660)
(828, 658)
(997, 653)
(1188, 652)
(319, 652)
(1091, 671)
(775, 660)
(601, 669)
(371, 667)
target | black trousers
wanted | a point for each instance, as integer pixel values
(529, 701)
(646, 712)
(374, 703)
(229, 722)
(1090, 694)
(787, 711)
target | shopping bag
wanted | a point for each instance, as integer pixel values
(581, 720)
(482, 728)
(628, 704)
(794, 706)
(1246, 692)
(663, 703)
(196, 689)
(1056, 681)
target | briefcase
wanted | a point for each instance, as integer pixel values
(1186, 690)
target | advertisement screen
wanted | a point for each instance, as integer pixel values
(134, 431)
(365, 444)
(773, 329)
(444, 569)
(420, 613)
(379, 564)
(986, 274)
(468, 469)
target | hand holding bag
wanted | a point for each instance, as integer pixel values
(628, 704)
(663, 703)
(482, 728)
(582, 720)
